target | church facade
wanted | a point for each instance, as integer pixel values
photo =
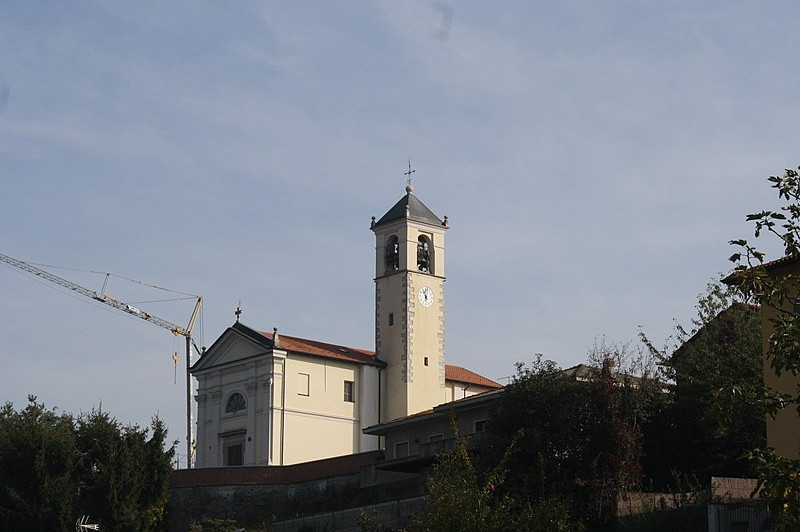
(265, 398)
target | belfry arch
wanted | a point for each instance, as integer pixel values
(392, 255)
(424, 254)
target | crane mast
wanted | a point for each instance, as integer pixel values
(130, 309)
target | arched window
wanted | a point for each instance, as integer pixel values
(236, 403)
(424, 261)
(393, 255)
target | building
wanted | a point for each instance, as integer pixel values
(783, 430)
(265, 398)
(416, 439)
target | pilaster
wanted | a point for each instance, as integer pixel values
(201, 459)
(250, 445)
(265, 435)
(278, 415)
(215, 411)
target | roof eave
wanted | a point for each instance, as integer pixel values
(410, 207)
(734, 277)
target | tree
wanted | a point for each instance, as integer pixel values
(612, 444)
(124, 471)
(460, 496)
(623, 389)
(551, 409)
(778, 296)
(581, 439)
(55, 468)
(721, 350)
(37, 468)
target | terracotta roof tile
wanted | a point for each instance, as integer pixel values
(459, 374)
(313, 347)
(364, 356)
(733, 278)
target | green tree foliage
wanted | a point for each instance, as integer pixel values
(613, 443)
(581, 438)
(56, 468)
(551, 409)
(779, 484)
(779, 293)
(721, 350)
(124, 471)
(37, 468)
(461, 497)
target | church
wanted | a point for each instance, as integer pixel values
(265, 398)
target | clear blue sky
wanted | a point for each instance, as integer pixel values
(593, 158)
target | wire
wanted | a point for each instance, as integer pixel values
(68, 268)
(70, 293)
(116, 275)
(157, 287)
(81, 299)
(163, 300)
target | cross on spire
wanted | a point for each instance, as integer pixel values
(238, 311)
(410, 171)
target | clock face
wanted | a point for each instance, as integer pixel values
(426, 296)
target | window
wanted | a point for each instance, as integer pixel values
(437, 443)
(391, 319)
(424, 254)
(393, 255)
(349, 392)
(236, 403)
(480, 425)
(302, 384)
(401, 449)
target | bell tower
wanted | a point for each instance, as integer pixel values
(409, 305)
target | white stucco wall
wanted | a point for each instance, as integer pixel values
(459, 390)
(321, 424)
(284, 422)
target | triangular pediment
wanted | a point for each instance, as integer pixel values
(234, 345)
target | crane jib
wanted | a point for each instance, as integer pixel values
(130, 309)
(103, 298)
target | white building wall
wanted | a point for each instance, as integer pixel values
(319, 423)
(369, 405)
(458, 390)
(252, 379)
(295, 413)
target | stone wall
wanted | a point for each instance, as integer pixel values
(394, 514)
(727, 489)
(257, 496)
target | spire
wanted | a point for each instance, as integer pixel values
(409, 207)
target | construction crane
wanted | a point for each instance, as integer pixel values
(130, 309)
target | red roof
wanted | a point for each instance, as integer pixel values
(733, 278)
(363, 356)
(786, 259)
(459, 374)
(313, 347)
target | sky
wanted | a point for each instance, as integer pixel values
(593, 159)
